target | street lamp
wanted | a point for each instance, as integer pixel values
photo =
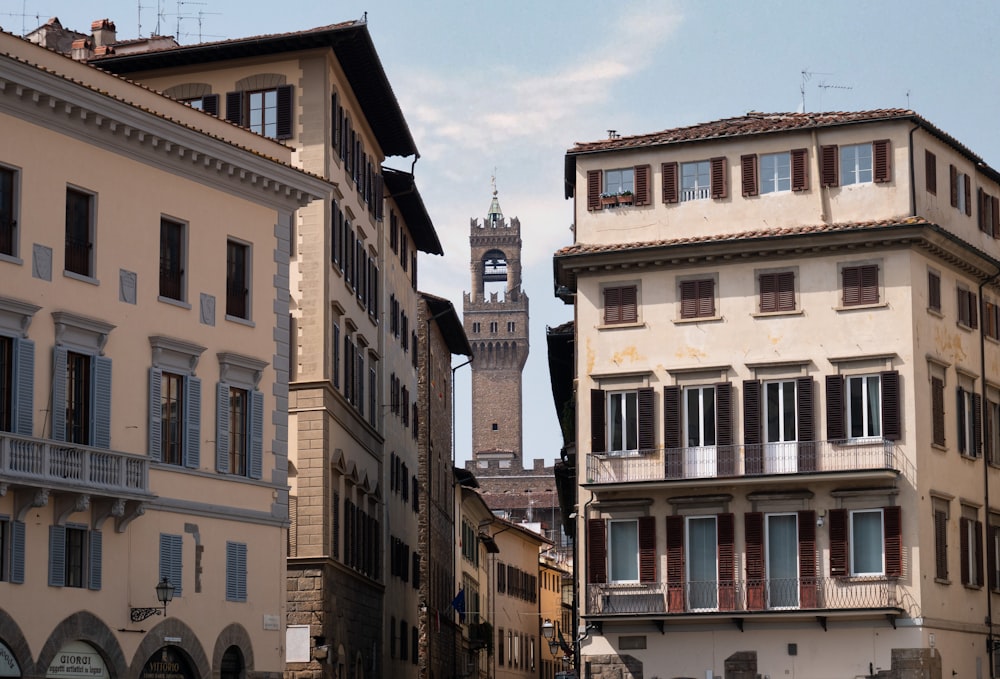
(549, 633)
(164, 594)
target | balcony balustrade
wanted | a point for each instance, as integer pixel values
(734, 461)
(744, 596)
(72, 467)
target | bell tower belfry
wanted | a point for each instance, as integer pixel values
(495, 315)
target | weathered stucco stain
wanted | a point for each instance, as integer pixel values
(628, 354)
(590, 357)
(689, 352)
(949, 344)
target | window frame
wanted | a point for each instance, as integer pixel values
(624, 181)
(80, 569)
(851, 162)
(616, 562)
(775, 176)
(178, 359)
(698, 191)
(854, 543)
(865, 395)
(967, 303)
(620, 304)
(706, 416)
(10, 204)
(862, 292)
(173, 270)
(241, 373)
(78, 202)
(694, 294)
(776, 292)
(234, 312)
(710, 587)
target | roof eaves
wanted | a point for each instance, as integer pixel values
(403, 190)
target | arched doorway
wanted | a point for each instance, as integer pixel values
(232, 666)
(168, 662)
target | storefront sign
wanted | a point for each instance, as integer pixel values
(77, 660)
(167, 663)
(8, 666)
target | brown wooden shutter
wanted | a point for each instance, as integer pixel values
(940, 545)
(210, 104)
(726, 453)
(981, 199)
(892, 517)
(675, 564)
(991, 560)
(933, 290)
(642, 188)
(234, 107)
(752, 428)
(727, 562)
(851, 285)
(891, 406)
(963, 549)
(646, 419)
(836, 426)
(719, 185)
(837, 519)
(753, 528)
(748, 165)
(785, 291)
(672, 431)
(689, 299)
(808, 584)
(597, 551)
(805, 388)
(647, 548)
(768, 283)
(978, 532)
(829, 167)
(612, 305)
(670, 191)
(953, 177)
(598, 439)
(995, 226)
(937, 411)
(968, 195)
(977, 424)
(593, 189)
(882, 161)
(930, 171)
(800, 169)
(869, 284)
(629, 304)
(284, 112)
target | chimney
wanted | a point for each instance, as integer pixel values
(81, 49)
(104, 32)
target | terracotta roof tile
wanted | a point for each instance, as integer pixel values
(586, 248)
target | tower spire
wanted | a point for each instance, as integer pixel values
(494, 217)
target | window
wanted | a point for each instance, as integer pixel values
(864, 401)
(780, 412)
(863, 406)
(619, 181)
(208, 103)
(510, 326)
(781, 565)
(775, 172)
(866, 542)
(237, 279)
(961, 190)
(993, 428)
(971, 547)
(930, 170)
(476, 327)
(934, 291)
(171, 561)
(79, 233)
(855, 164)
(937, 411)
(988, 213)
(239, 413)
(8, 212)
(171, 259)
(11, 551)
(991, 320)
(620, 304)
(403, 640)
(237, 427)
(336, 356)
(695, 181)
(702, 559)
(74, 557)
(969, 426)
(777, 292)
(82, 398)
(697, 298)
(621, 420)
(174, 403)
(623, 550)
(967, 308)
(699, 421)
(494, 326)
(17, 367)
(860, 284)
(993, 562)
(236, 571)
(940, 539)
(264, 111)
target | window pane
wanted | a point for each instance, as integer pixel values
(631, 421)
(702, 562)
(874, 407)
(708, 403)
(615, 436)
(782, 560)
(866, 543)
(624, 551)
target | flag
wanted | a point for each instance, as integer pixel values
(458, 603)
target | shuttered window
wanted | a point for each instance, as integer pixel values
(800, 169)
(86, 404)
(597, 553)
(863, 406)
(697, 298)
(174, 418)
(937, 411)
(970, 426)
(75, 557)
(236, 571)
(992, 551)
(647, 549)
(17, 384)
(267, 112)
(934, 291)
(777, 291)
(621, 304)
(676, 569)
(642, 185)
(930, 172)
(971, 551)
(671, 194)
(720, 183)
(629, 420)
(239, 431)
(866, 542)
(829, 165)
(940, 543)
(748, 166)
(753, 532)
(171, 561)
(967, 303)
(860, 285)
(593, 189)
(808, 560)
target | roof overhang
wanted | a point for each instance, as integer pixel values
(403, 190)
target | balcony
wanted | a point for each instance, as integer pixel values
(746, 461)
(751, 597)
(69, 467)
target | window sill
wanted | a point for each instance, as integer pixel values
(618, 326)
(942, 581)
(994, 340)
(242, 321)
(771, 314)
(80, 277)
(968, 458)
(699, 319)
(935, 312)
(11, 259)
(962, 326)
(174, 302)
(940, 446)
(969, 585)
(856, 307)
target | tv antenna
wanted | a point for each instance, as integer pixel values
(828, 86)
(24, 16)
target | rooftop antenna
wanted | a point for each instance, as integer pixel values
(24, 16)
(180, 3)
(907, 100)
(827, 86)
(806, 77)
(613, 134)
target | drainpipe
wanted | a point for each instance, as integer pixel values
(913, 188)
(986, 472)
(581, 536)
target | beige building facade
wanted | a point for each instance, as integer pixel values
(143, 439)
(787, 395)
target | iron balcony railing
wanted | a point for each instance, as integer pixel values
(708, 462)
(53, 464)
(748, 596)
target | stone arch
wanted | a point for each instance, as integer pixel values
(233, 635)
(260, 81)
(84, 626)
(359, 666)
(171, 627)
(11, 635)
(188, 91)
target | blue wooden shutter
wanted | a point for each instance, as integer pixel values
(171, 561)
(17, 552)
(222, 428)
(155, 413)
(57, 556)
(236, 571)
(256, 434)
(102, 401)
(94, 555)
(24, 386)
(192, 422)
(59, 394)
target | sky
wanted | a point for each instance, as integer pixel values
(504, 88)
